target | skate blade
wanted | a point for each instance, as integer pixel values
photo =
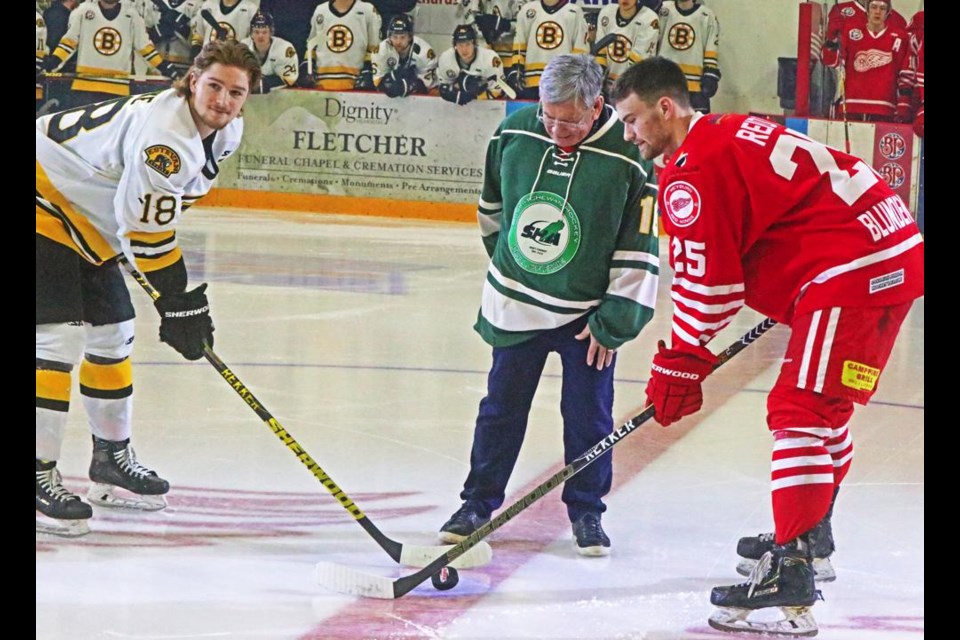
(797, 622)
(107, 495)
(823, 570)
(62, 528)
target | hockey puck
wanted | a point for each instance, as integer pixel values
(446, 578)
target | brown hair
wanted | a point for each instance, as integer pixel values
(227, 52)
(651, 79)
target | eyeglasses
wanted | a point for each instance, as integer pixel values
(550, 122)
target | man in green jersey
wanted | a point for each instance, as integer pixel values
(568, 218)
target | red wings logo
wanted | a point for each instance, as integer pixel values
(871, 59)
(682, 202)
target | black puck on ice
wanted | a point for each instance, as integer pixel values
(446, 578)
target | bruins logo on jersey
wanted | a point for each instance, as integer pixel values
(107, 41)
(619, 49)
(162, 159)
(549, 35)
(339, 38)
(681, 36)
(290, 52)
(40, 24)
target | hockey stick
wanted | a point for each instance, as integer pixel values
(411, 555)
(843, 106)
(347, 580)
(504, 86)
(218, 28)
(603, 43)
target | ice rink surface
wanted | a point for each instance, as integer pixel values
(356, 334)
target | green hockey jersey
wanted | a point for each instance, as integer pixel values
(569, 232)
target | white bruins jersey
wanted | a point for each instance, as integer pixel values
(486, 64)
(236, 20)
(176, 50)
(115, 177)
(546, 32)
(281, 60)
(506, 9)
(637, 39)
(342, 43)
(692, 41)
(106, 47)
(420, 55)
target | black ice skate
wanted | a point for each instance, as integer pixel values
(115, 465)
(59, 512)
(783, 578)
(752, 548)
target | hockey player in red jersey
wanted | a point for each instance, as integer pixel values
(761, 216)
(873, 58)
(853, 13)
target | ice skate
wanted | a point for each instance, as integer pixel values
(59, 512)
(752, 548)
(782, 579)
(119, 480)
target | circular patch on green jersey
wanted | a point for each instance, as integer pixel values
(545, 234)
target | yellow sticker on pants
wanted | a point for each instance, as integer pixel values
(859, 376)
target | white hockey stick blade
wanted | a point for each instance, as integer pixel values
(415, 556)
(342, 579)
(506, 88)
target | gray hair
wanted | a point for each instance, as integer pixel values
(569, 77)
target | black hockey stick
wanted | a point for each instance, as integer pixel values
(411, 555)
(218, 28)
(603, 43)
(347, 580)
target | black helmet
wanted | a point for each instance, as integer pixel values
(261, 19)
(464, 33)
(400, 23)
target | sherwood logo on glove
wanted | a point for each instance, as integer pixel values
(686, 375)
(186, 314)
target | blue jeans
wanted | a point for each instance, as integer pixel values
(586, 405)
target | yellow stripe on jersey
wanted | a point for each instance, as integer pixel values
(53, 390)
(162, 261)
(60, 222)
(113, 86)
(106, 380)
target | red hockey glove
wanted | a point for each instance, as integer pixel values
(675, 378)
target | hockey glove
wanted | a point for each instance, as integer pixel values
(471, 84)
(492, 26)
(515, 78)
(395, 85)
(364, 81)
(50, 63)
(709, 83)
(169, 70)
(676, 377)
(451, 93)
(185, 322)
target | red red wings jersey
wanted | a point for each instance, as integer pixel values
(873, 64)
(763, 216)
(849, 13)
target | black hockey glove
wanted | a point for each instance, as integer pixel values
(472, 84)
(492, 26)
(364, 81)
(709, 83)
(50, 63)
(395, 86)
(515, 78)
(452, 93)
(169, 70)
(268, 84)
(185, 322)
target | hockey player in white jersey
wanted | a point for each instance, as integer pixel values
(233, 16)
(105, 36)
(41, 53)
(497, 22)
(545, 29)
(405, 64)
(168, 23)
(690, 36)
(113, 181)
(467, 72)
(344, 36)
(279, 65)
(636, 30)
